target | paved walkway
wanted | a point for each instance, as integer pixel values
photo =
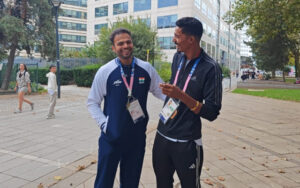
(255, 142)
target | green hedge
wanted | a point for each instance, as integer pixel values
(164, 70)
(66, 76)
(84, 76)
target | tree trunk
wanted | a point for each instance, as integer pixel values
(297, 65)
(9, 67)
(273, 73)
(283, 76)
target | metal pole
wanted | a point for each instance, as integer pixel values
(218, 32)
(229, 46)
(57, 53)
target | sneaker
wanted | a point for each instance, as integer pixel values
(17, 111)
(32, 106)
(51, 117)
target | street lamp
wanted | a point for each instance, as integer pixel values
(56, 5)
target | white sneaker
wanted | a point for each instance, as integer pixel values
(51, 117)
(17, 111)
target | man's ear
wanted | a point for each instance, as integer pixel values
(113, 48)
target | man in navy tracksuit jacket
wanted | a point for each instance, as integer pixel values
(122, 140)
(197, 87)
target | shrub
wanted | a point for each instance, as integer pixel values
(225, 72)
(164, 70)
(84, 76)
(66, 76)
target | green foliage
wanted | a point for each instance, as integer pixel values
(282, 94)
(164, 70)
(143, 38)
(66, 75)
(225, 72)
(84, 76)
(286, 69)
(274, 27)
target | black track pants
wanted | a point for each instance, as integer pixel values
(184, 157)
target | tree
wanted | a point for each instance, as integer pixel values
(25, 24)
(142, 35)
(271, 23)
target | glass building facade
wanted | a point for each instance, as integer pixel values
(166, 43)
(73, 14)
(167, 3)
(140, 5)
(101, 11)
(120, 8)
(81, 3)
(72, 38)
(72, 26)
(98, 27)
(166, 21)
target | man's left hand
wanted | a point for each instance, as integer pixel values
(171, 91)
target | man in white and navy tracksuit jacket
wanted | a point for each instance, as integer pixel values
(121, 141)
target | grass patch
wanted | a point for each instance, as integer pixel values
(282, 94)
(287, 80)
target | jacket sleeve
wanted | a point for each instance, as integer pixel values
(212, 94)
(154, 86)
(96, 95)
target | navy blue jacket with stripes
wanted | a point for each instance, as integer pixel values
(114, 120)
(204, 86)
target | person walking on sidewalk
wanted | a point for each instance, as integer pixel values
(22, 87)
(195, 92)
(123, 84)
(52, 90)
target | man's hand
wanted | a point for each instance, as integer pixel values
(171, 91)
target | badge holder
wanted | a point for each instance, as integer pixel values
(135, 109)
(169, 111)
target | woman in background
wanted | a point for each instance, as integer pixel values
(22, 87)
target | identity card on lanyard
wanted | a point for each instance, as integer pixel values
(169, 111)
(133, 105)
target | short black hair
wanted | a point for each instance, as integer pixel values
(190, 26)
(117, 32)
(51, 66)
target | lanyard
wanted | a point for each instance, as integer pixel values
(129, 87)
(190, 74)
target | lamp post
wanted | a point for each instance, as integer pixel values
(56, 4)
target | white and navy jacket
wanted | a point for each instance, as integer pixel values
(204, 86)
(115, 120)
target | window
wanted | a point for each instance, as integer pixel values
(81, 3)
(166, 43)
(101, 11)
(140, 5)
(166, 21)
(144, 20)
(209, 31)
(72, 38)
(213, 52)
(120, 8)
(73, 14)
(203, 45)
(98, 27)
(198, 4)
(167, 3)
(204, 8)
(72, 26)
(208, 49)
(67, 48)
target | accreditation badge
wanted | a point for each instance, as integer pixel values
(135, 110)
(168, 111)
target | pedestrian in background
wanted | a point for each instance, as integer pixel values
(22, 87)
(52, 90)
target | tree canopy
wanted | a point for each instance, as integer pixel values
(274, 26)
(25, 25)
(144, 38)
